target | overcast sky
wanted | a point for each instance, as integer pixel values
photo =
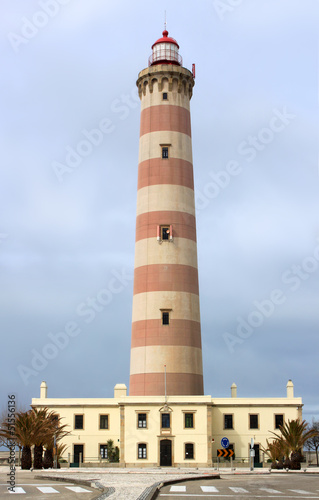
(67, 226)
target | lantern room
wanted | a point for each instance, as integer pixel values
(165, 51)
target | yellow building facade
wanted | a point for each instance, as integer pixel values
(178, 431)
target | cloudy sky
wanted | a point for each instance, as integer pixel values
(68, 207)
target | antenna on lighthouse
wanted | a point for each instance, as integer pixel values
(165, 22)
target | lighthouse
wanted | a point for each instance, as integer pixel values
(166, 352)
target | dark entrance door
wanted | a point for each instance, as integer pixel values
(257, 455)
(78, 448)
(166, 453)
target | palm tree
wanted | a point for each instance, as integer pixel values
(294, 434)
(33, 427)
(60, 449)
(43, 428)
(112, 452)
(275, 451)
(4, 437)
(58, 432)
(24, 437)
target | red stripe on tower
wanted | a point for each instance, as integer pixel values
(161, 118)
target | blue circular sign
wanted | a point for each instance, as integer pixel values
(225, 442)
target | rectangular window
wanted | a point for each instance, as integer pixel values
(165, 318)
(279, 420)
(166, 421)
(141, 420)
(189, 450)
(78, 421)
(103, 450)
(228, 422)
(104, 421)
(142, 450)
(189, 420)
(165, 233)
(165, 152)
(165, 96)
(253, 422)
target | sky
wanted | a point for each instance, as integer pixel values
(69, 149)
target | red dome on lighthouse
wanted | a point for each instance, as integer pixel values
(165, 51)
(166, 39)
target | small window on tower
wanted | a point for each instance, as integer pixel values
(165, 318)
(165, 152)
(165, 97)
(165, 233)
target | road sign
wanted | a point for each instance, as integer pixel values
(225, 442)
(225, 453)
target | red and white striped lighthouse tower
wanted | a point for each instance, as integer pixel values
(166, 353)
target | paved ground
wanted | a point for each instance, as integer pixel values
(129, 484)
(248, 487)
(29, 487)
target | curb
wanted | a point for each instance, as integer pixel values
(91, 484)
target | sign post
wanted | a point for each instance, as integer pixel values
(224, 442)
(252, 454)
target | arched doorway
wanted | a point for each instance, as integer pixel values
(166, 453)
